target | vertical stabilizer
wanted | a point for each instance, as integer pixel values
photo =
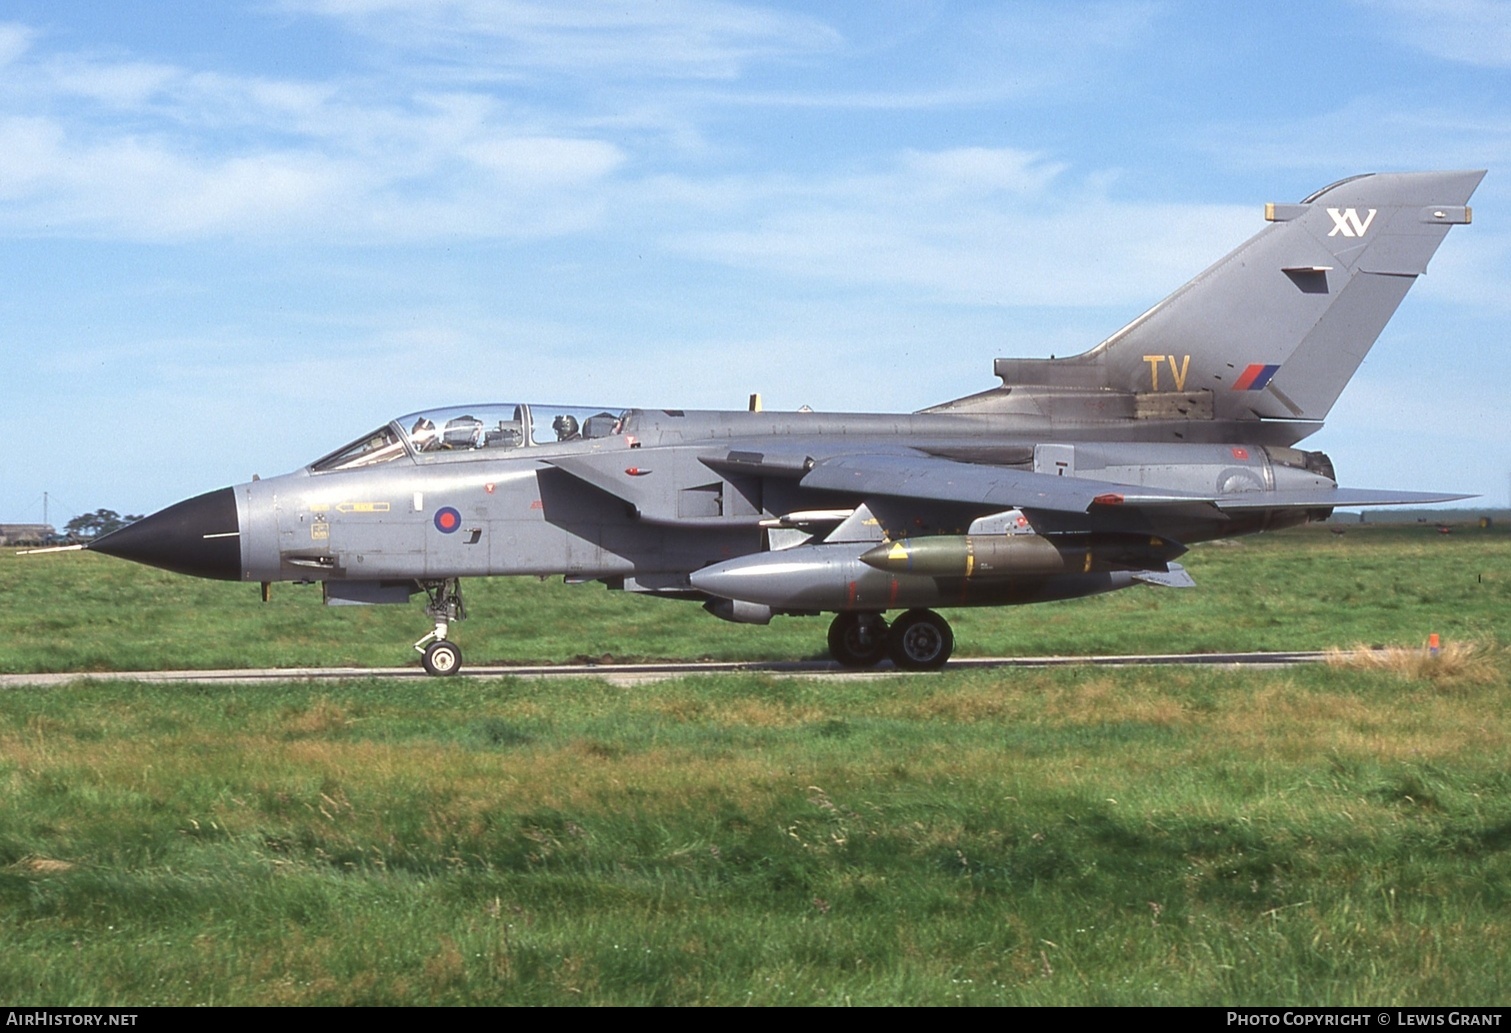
(1277, 328)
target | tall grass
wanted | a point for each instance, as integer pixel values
(1332, 834)
(1329, 834)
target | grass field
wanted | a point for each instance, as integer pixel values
(1323, 834)
(1301, 589)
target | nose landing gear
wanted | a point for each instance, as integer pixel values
(439, 655)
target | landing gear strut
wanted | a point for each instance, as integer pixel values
(920, 640)
(440, 656)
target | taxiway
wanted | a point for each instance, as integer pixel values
(636, 674)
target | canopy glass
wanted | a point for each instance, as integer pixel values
(496, 427)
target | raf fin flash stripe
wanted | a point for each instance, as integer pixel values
(1255, 377)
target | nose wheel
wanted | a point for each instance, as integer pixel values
(438, 654)
(442, 658)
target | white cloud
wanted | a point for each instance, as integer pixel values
(321, 168)
(981, 169)
(139, 188)
(129, 84)
(970, 225)
(1048, 52)
(15, 40)
(1464, 408)
(1471, 268)
(1476, 32)
(1365, 134)
(211, 154)
(30, 147)
(679, 38)
(542, 161)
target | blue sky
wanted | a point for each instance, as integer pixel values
(235, 236)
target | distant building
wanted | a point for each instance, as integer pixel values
(25, 534)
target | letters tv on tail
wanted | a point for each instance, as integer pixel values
(1072, 477)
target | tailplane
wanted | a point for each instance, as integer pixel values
(1277, 328)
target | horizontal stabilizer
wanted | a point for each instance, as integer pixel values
(1334, 498)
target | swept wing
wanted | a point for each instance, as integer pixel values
(920, 476)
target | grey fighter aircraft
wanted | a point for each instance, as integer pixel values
(1075, 476)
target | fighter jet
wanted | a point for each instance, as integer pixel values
(1074, 476)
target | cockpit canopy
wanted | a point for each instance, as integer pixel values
(490, 428)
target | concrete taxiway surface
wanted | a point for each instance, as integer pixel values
(634, 674)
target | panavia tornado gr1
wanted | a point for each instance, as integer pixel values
(1075, 476)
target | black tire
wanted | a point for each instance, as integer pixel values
(858, 639)
(442, 659)
(920, 640)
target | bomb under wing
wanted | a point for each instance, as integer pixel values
(1074, 476)
(1022, 555)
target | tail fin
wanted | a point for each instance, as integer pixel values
(1277, 328)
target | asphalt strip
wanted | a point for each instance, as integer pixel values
(635, 674)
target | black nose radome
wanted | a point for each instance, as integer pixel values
(199, 536)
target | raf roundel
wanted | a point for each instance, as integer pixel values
(447, 520)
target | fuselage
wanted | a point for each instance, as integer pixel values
(643, 501)
(650, 495)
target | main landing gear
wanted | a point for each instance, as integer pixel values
(919, 640)
(440, 655)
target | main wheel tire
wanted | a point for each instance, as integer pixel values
(858, 639)
(920, 640)
(442, 658)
